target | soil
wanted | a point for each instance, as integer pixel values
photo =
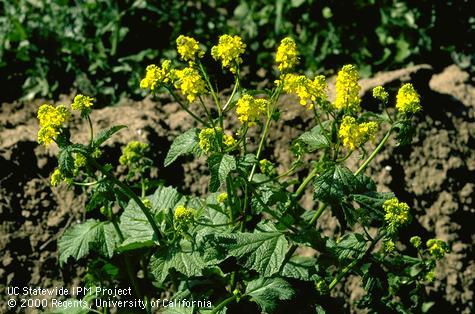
(435, 176)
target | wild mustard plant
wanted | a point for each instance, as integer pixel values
(240, 242)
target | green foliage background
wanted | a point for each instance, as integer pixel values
(100, 47)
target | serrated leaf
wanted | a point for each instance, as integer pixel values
(184, 144)
(373, 200)
(183, 259)
(105, 134)
(351, 246)
(78, 240)
(134, 225)
(268, 291)
(66, 161)
(261, 251)
(300, 267)
(314, 139)
(220, 165)
(334, 184)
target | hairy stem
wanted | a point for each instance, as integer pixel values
(221, 305)
(91, 131)
(301, 189)
(128, 192)
(374, 153)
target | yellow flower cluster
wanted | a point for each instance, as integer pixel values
(229, 51)
(266, 167)
(222, 197)
(183, 215)
(188, 48)
(210, 137)
(249, 109)
(190, 83)
(79, 161)
(308, 91)
(287, 54)
(156, 76)
(82, 103)
(51, 119)
(354, 134)
(380, 93)
(347, 89)
(397, 213)
(407, 99)
(437, 248)
(132, 153)
(56, 177)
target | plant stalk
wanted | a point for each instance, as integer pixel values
(374, 153)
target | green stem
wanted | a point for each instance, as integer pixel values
(301, 189)
(128, 192)
(374, 153)
(213, 93)
(236, 85)
(261, 146)
(317, 215)
(221, 305)
(91, 131)
(185, 108)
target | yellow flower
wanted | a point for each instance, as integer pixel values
(308, 91)
(229, 51)
(51, 119)
(133, 152)
(353, 134)
(287, 54)
(266, 167)
(82, 103)
(228, 141)
(56, 177)
(156, 76)
(397, 213)
(222, 197)
(188, 48)
(407, 99)
(347, 89)
(79, 161)
(183, 215)
(380, 93)
(437, 248)
(250, 109)
(389, 246)
(190, 83)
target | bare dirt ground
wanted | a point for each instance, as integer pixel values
(435, 175)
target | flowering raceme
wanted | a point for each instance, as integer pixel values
(56, 177)
(190, 83)
(287, 54)
(156, 76)
(437, 248)
(397, 213)
(407, 99)
(188, 48)
(250, 109)
(210, 137)
(82, 103)
(355, 134)
(183, 215)
(229, 51)
(51, 119)
(308, 91)
(347, 89)
(133, 152)
(380, 93)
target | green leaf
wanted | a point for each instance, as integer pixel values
(66, 161)
(105, 134)
(184, 144)
(334, 184)
(267, 291)
(183, 259)
(300, 267)
(134, 225)
(79, 240)
(220, 165)
(261, 251)
(372, 202)
(314, 139)
(351, 246)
